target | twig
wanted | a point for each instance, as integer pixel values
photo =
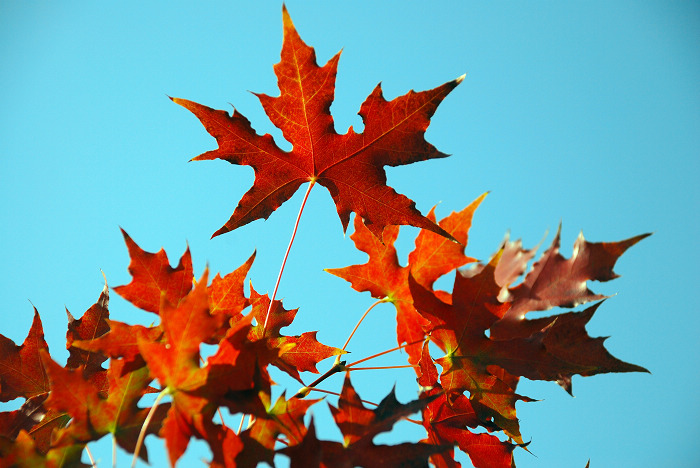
(146, 422)
(284, 261)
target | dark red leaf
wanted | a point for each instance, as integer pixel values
(22, 373)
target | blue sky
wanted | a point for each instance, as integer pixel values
(582, 112)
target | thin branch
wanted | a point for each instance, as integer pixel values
(146, 422)
(289, 247)
(337, 367)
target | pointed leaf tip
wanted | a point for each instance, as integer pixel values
(286, 19)
(461, 78)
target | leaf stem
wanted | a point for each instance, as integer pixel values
(114, 450)
(146, 422)
(325, 391)
(360, 321)
(286, 254)
(340, 366)
(240, 426)
(407, 366)
(89, 454)
(338, 395)
(365, 401)
(384, 352)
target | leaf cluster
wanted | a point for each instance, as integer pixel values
(481, 331)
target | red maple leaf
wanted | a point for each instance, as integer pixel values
(92, 325)
(175, 362)
(153, 277)
(383, 277)
(350, 166)
(231, 450)
(285, 417)
(448, 418)
(359, 426)
(93, 414)
(22, 373)
(226, 295)
(559, 350)
(458, 328)
(34, 419)
(555, 281)
(296, 353)
(23, 452)
(121, 341)
(553, 348)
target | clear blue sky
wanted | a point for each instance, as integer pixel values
(585, 112)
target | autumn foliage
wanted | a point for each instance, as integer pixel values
(469, 346)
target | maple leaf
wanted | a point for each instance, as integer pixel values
(555, 281)
(153, 276)
(22, 373)
(35, 419)
(296, 353)
(350, 166)
(231, 450)
(121, 341)
(553, 348)
(458, 328)
(308, 453)
(383, 277)
(94, 415)
(447, 419)
(152, 273)
(24, 453)
(285, 417)
(226, 294)
(237, 374)
(11, 422)
(359, 426)
(175, 363)
(513, 261)
(315, 453)
(560, 350)
(90, 326)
